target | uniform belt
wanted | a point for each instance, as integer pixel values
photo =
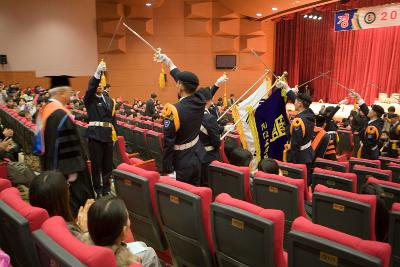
(394, 141)
(100, 123)
(203, 130)
(187, 145)
(374, 148)
(209, 148)
(304, 147)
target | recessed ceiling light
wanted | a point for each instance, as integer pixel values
(315, 17)
(274, 8)
(258, 14)
(305, 16)
(319, 18)
(148, 4)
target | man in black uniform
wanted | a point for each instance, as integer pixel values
(394, 136)
(101, 113)
(209, 136)
(301, 132)
(371, 131)
(183, 151)
(150, 106)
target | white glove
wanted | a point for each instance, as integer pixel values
(72, 177)
(166, 60)
(172, 175)
(229, 127)
(221, 80)
(344, 102)
(100, 69)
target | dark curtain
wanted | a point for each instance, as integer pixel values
(366, 60)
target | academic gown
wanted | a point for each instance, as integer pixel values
(64, 152)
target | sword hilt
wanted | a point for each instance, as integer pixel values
(157, 54)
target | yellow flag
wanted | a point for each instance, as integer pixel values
(161, 80)
(225, 101)
(103, 81)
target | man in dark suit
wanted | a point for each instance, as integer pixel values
(150, 106)
(183, 151)
(102, 123)
(301, 132)
(371, 131)
(209, 136)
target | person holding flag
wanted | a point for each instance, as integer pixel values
(101, 131)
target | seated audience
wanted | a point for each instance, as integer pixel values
(108, 224)
(240, 157)
(269, 166)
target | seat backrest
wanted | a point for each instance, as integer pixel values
(139, 138)
(233, 139)
(155, 144)
(345, 141)
(136, 187)
(296, 171)
(345, 211)
(231, 179)
(364, 172)
(245, 234)
(4, 184)
(17, 220)
(395, 168)
(279, 192)
(122, 149)
(158, 127)
(331, 165)
(386, 160)
(92, 256)
(185, 215)
(339, 180)
(394, 233)
(315, 245)
(222, 154)
(391, 190)
(365, 162)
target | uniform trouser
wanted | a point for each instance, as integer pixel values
(367, 153)
(190, 175)
(101, 155)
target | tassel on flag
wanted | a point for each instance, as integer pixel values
(162, 79)
(103, 81)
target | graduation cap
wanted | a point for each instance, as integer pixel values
(59, 80)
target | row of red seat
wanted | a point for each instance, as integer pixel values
(31, 238)
(235, 232)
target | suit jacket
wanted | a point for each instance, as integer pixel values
(99, 108)
(150, 108)
(370, 139)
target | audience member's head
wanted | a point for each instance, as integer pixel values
(240, 157)
(376, 111)
(391, 109)
(382, 211)
(393, 118)
(49, 190)
(269, 166)
(108, 221)
(384, 135)
(319, 120)
(153, 95)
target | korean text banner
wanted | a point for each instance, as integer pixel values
(368, 18)
(271, 124)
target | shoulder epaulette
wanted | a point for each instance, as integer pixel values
(171, 113)
(298, 122)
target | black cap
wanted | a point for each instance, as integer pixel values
(392, 115)
(305, 98)
(60, 80)
(378, 109)
(319, 120)
(205, 93)
(188, 78)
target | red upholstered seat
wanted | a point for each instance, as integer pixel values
(297, 171)
(395, 168)
(386, 160)
(241, 220)
(227, 178)
(394, 228)
(373, 248)
(35, 216)
(296, 182)
(366, 162)
(3, 169)
(391, 190)
(4, 184)
(333, 179)
(136, 187)
(345, 211)
(190, 239)
(92, 256)
(364, 172)
(155, 146)
(331, 165)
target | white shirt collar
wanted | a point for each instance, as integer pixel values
(371, 121)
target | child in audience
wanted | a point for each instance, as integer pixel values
(108, 225)
(269, 166)
(381, 213)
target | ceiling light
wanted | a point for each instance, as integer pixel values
(274, 8)
(319, 18)
(148, 4)
(258, 14)
(315, 17)
(305, 16)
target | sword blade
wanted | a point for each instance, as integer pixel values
(140, 37)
